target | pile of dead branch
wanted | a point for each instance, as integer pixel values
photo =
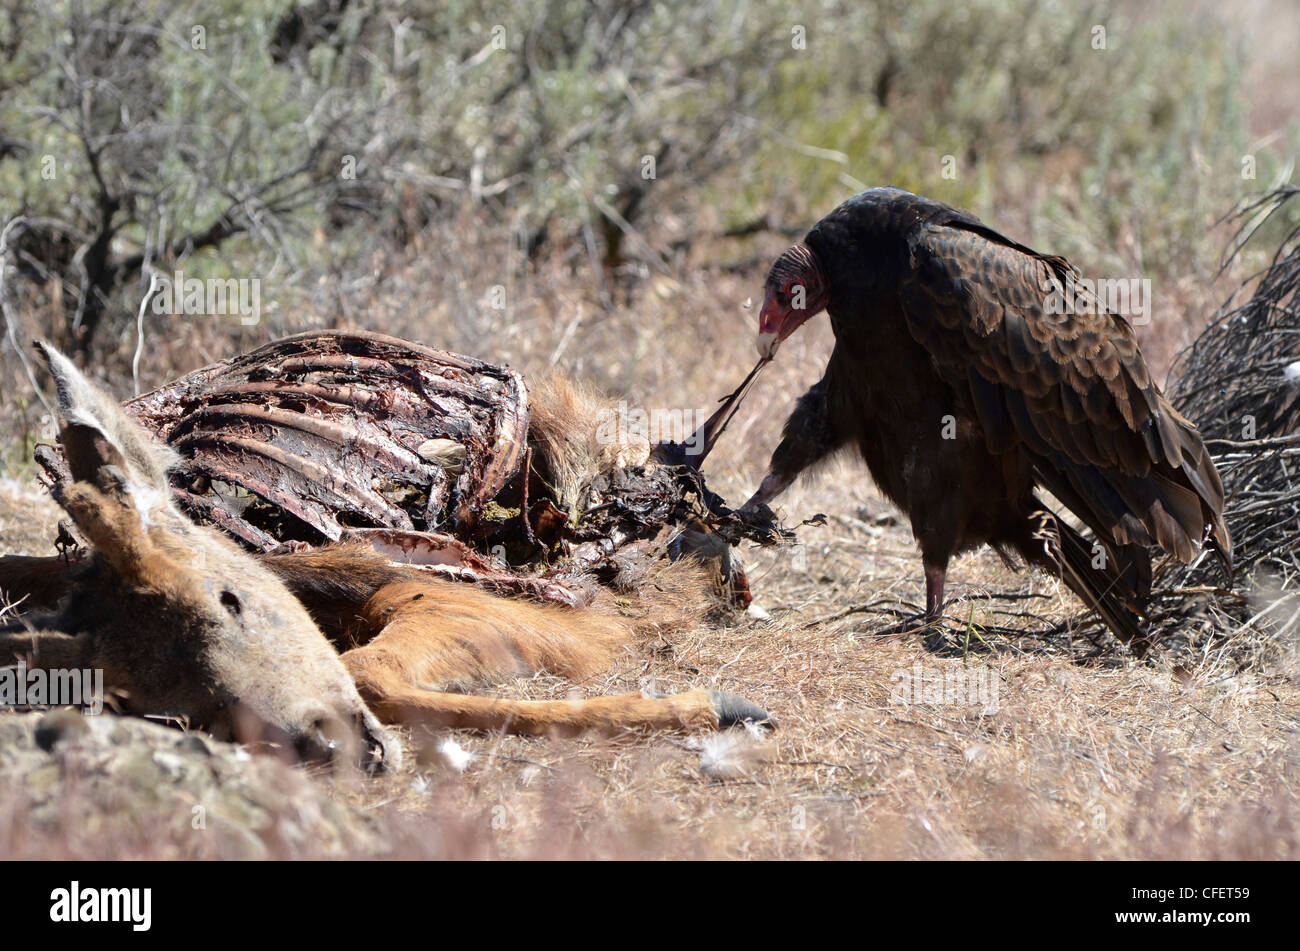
(1240, 382)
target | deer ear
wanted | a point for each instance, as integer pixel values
(103, 445)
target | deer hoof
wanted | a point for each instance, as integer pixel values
(733, 709)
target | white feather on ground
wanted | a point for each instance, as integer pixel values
(457, 757)
(732, 754)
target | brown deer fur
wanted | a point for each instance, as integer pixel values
(569, 448)
(183, 622)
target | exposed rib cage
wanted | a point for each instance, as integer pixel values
(333, 429)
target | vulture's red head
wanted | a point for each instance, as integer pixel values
(796, 290)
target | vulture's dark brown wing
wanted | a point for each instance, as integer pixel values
(1071, 387)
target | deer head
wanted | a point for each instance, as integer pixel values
(181, 620)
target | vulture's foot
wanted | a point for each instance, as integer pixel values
(918, 625)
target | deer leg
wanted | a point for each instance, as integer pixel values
(434, 637)
(38, 582)
(44, 650)
(395, 701)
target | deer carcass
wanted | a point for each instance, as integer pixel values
(185, 623)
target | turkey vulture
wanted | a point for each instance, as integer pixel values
(966, 389)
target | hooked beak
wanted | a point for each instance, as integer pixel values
(776, 321)
(771, 327)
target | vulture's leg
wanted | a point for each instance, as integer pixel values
(934, 577)
(813, 431)
(926, 622)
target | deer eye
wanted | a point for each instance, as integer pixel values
(230, 601)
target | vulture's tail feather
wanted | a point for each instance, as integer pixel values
(1113, 581)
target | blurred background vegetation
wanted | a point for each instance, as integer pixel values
(597, 186)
